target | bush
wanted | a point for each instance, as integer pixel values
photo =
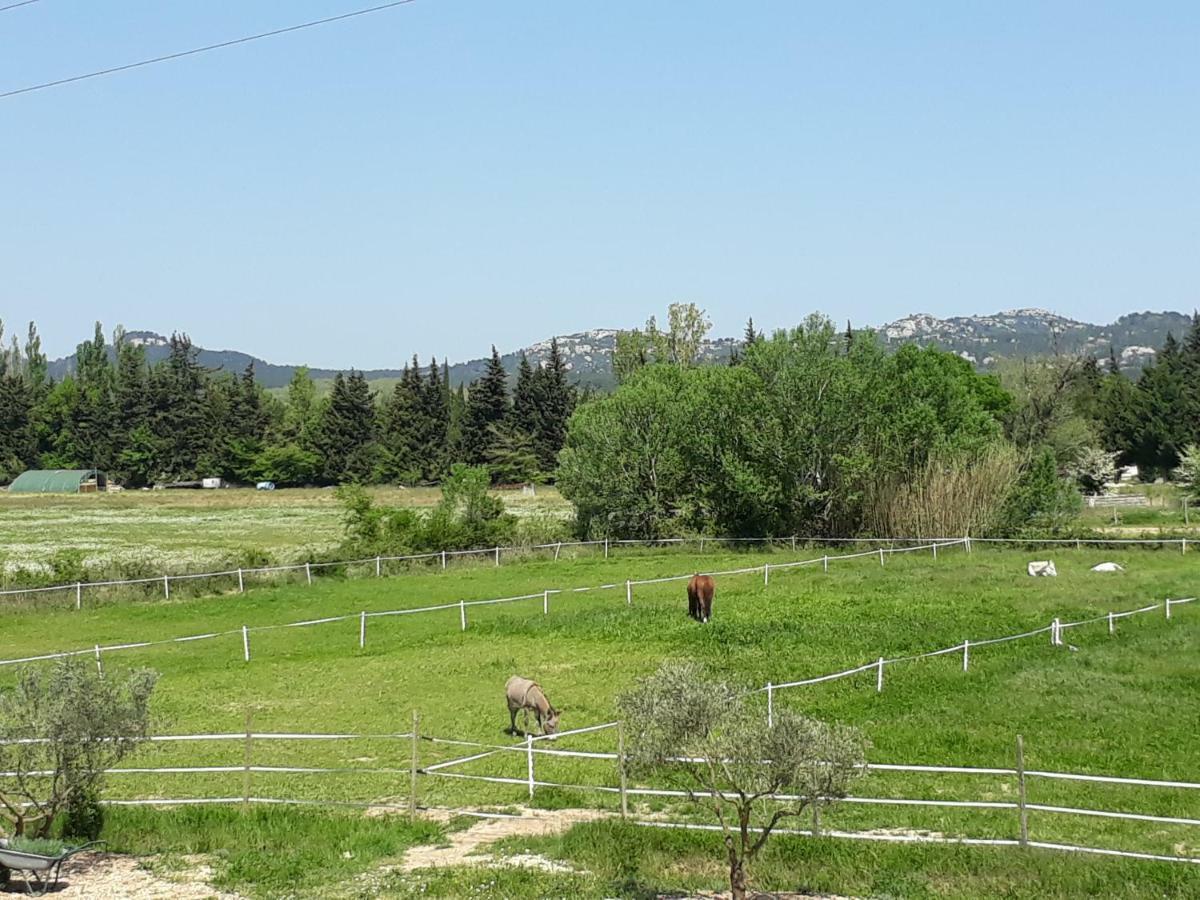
(84, 818)
(1093, 469)
(1041, 502)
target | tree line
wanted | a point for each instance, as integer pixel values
(812, 431)
(177, 421)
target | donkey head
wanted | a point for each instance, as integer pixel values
(550, 722)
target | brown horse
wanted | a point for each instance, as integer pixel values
(700, 597)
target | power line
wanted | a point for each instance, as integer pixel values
(196, 50)
(15, 5)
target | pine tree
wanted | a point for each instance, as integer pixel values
(137, 451)
(182, 418)
(348, 430)
(397, 430)
(487, 405)
(435, 425)
(526, 402)
(555, 403)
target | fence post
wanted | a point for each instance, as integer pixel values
(1168, 607)
(99, 664)
(247, 760)
(308, 572)
(241, 583)
(497, 556)
(78, 595)
(968, 540)
(1024, 813)
(770, 705)
(166, 588)
(1186, 521)
(793, 543)
(412, 787)
(701, 543)
(246, 643)
(362, 630)
(1111, 629)
(545, 603)
(443, 560)
(1183, 546)
(966, 654)
(529, 756)
(629, 593)
(934, 545)
(825, 562)
(621, 768)
(881, 556)
(557, 550)
(462, 613)
(879, 676)
(766, 574)
(606, 548)
(378, 566)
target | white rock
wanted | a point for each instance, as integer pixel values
(1042, 567)
(1108, 567)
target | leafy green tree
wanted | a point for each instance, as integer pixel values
(1041, 502)
(708, 740)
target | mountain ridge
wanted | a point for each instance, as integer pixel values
(983, 340)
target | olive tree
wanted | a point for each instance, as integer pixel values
(710, 741)
(61, 727)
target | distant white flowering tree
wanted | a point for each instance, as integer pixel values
(703, 736)
(1189, 470)
(1093, 469)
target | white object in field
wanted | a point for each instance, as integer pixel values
(265, 486)
(1108, 567)
(1042, 567)
(528, 490)
(210, 482)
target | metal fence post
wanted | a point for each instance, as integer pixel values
(1023, 812)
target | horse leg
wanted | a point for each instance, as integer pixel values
(512, 721)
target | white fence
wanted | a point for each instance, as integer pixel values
(462, 606)
(529, 750)
(375, 565)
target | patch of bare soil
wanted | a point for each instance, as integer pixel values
(108, 876)
(465, 846)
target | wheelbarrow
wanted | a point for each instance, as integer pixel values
(41, 871)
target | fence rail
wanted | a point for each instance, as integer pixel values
(375, 563)
(530, 750)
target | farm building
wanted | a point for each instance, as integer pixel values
(59, 481)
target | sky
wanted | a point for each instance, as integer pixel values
(456, 173)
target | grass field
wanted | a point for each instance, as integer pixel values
(1124, 705)
(185, 531)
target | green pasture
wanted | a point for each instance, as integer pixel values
(1124, 704)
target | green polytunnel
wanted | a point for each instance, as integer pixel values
(59, 481)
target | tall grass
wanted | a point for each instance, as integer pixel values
(950, 496)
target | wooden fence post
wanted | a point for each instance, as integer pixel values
(621, 768)
(412, 786)
(247, 759)
(1024, 813)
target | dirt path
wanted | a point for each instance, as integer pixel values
(103, 876)
(465, 845)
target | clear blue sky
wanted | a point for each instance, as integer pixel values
(456, 172)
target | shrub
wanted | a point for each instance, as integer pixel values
(67, 725)
(1041, 502)
(84, 817)
(1093, 469)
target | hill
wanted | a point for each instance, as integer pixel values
(983, 339)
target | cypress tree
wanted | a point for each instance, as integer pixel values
(397, 431)
(526, 399)
(487, 408)
(436, 424)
